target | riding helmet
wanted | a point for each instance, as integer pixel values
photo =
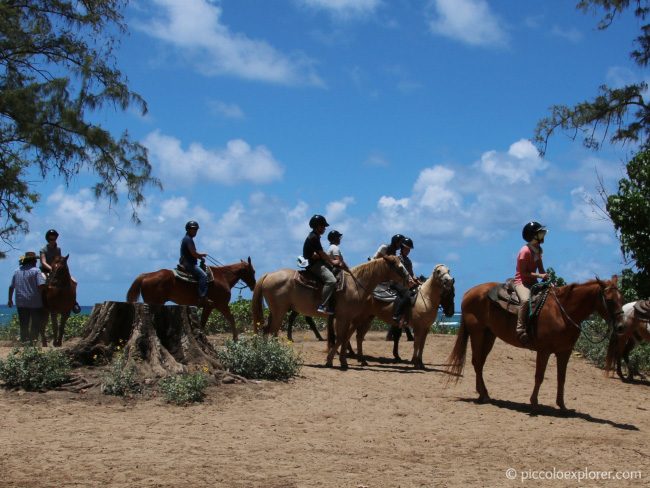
(192, 224)
(530, 229)
(396, 241)
(408, 242)
(51, 232)
(317, 220)
(334, 236)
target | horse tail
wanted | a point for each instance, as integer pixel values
(134, 292)
(257, 303)
(456, 360)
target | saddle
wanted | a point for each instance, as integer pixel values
(308, 280)
(182, 274)
(642, 309)
(505, 296)
(384, 293)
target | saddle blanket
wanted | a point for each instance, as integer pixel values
(183, 275)
(308, 280)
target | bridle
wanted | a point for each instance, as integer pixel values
(219, 264)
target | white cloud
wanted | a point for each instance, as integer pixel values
(519, 164)
(345, 9)
(571, 34)
(196, 29)
(468, 21)
(228, 110)
(236, 163)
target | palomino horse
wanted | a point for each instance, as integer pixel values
(282, 293)
(60, 297)
(437, 290)
(633, 331)
(482, 321)
(161, 286)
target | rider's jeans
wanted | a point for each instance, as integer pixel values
(202, 278)
(328, 279)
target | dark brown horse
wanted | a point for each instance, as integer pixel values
(558, 328)
(60, 297)
(162, 286)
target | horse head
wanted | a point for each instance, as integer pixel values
(442, 276)
(60, 274)
(610, 306)
(247, 273)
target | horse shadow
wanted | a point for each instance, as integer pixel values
(384, 365)
(548, 411)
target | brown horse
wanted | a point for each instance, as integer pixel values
(161, 286)
(482, 321)
(437, 290)
(282, 293)
(60, 297)
(633, 331)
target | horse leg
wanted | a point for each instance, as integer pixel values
(314, 329)
(64, 320)
(397, 334)
(231, 320)
(292, 318)
(562, 361)
(477, 339)
(205, 315)
(418, 348)
(540, 369)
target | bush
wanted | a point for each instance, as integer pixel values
(121, 378)
(74, 327)
(241, 310)
(34, 370)
(256, 357)
(184, 388)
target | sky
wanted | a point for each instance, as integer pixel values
(386, 116)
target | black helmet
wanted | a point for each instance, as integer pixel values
(317, 220)
(530, 229)
(334, 236)
(408, 242)
(192, 224)
(51, 232)
(396, 240)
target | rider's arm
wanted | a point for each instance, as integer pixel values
(44, 264)
(320, 254)
(192, 249)
(10, 300)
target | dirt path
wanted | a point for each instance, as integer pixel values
(383, 426)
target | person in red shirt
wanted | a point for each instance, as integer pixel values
(529, 269)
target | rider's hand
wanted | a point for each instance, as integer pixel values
(10, 303)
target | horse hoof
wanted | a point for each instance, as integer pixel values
(344, 366)
(397, 359)
(483, 399)
(329, 364)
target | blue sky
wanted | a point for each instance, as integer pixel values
(386, 116)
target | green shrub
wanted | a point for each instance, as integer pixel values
(33, 370)
(10, 332)
(257, 357)
(121, 378)
(241, 310)
(74, 327)
(184, 388)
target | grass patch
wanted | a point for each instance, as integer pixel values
(256, 357)
(184, 388)
(34, 370)
(121, 378)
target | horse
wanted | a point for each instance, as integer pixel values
(282, 293)
(482, 321)
(633, 331)
(60, 297)
(437, 290)
(161, 286)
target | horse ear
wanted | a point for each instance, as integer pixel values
(615, 279)
(249, 260)
(66, 257)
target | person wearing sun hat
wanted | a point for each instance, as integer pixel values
(29, 283)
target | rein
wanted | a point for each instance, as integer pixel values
(610, 321)
(219, 264)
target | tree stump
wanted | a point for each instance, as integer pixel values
(159, 340)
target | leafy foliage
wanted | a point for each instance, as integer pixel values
(121, 377)
(56, 71)
(73, 328)
(629, 210)
(185, 388)
(620, 113)
(257, 357)
(34, 370)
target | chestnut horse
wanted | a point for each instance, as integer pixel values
(161, 286)
(482, 321)
(437, 290)
(633, 331)
(282, 293)
(60, 297)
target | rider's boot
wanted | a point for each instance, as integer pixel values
(522, 335)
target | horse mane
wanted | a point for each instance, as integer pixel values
(570, 288)
(366, 269)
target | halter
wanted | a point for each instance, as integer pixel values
(610, 319)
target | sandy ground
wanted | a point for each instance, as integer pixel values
(383, 426)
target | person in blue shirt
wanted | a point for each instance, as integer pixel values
(190, 261)
(29, 284)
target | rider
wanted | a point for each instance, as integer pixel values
(319, 261)
(390, 249)
(529, 269)
(49, 251)
(189, 260)
(334, 251)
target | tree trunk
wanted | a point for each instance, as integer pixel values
(159, 340)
